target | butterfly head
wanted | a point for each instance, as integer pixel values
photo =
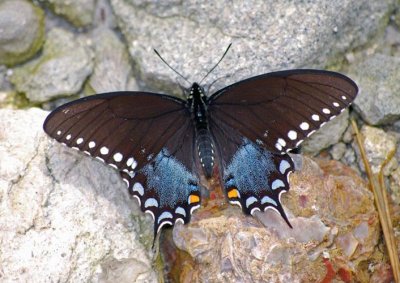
(196, 96)
(196, 91)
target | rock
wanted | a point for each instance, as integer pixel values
(348, 134)
(104, 16)
(112, 68)
(266, 36)
(21, 31)
(78, 12)
(64, 216)
(338, 150)
(61, 70)
(328, 228)
(395, 186)
(378, 146)
(349, 157)
(328, 135)
(379, 97)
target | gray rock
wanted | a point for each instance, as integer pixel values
(4, 83)
(61, 70)
(21, 31)
(395, 186)
(266, 36)
(379, 99)
(328, 135)
(378, 146)
(103, 15)
(64, 216)
(338, 150)
(112, 69)
(349, 157)
(78, 12)
(348, 134)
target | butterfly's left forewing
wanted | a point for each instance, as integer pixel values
(147, 137)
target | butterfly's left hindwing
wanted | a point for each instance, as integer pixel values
(172, 192)
(168, 187)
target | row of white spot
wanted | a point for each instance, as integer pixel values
(292, 134)
(118, 157)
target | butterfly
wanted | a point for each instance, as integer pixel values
(162, 144)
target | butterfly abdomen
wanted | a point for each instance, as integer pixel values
(205, 149)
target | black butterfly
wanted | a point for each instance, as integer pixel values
(158, 142)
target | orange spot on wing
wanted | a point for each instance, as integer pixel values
(193, 199)
(233, 193)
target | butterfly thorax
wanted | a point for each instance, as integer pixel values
(197, 103)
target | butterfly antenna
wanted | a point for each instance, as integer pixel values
(165, 62)
(212, 69)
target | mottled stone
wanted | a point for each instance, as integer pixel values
(379, 99)
(338, 150)
(328, 135)
(378, 145)
(266, 36)
(328, 230)
(112, 67)
(395, 185)
(64, 216)
(21, 31)
(348, 135)
(78, 12)
(61, 70)
(349, 157)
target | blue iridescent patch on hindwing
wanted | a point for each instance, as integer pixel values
(166, 190)
(255, 178)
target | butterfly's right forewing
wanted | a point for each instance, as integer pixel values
(281, 109)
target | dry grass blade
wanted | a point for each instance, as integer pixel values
(378, 188)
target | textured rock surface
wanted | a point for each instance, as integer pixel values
(112, 68)
(60, 71)
(21, 31)
(395, 186)
(266, 35)
(64, 217)
(79, 12)
(328, 228)
(378, 145)
(379, 99)
(338, 151)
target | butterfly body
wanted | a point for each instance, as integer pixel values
(155, 141)
(197, 103)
